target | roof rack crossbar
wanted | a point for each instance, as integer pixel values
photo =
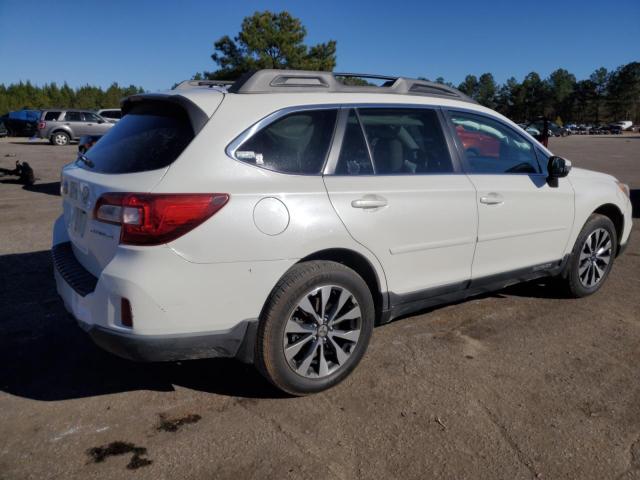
(291, 81)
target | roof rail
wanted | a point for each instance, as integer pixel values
(287, 81)
(203, 83)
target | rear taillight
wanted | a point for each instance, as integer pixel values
(41, 125)
(156, 218)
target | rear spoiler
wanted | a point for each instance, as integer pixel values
(197, 116)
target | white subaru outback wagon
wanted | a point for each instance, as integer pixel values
(277, 221)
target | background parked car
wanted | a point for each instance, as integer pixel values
(553, 129)
(61, 126)
(21, 123)
(3, 130)
(625, 124)
(110, 114)
(475, 142)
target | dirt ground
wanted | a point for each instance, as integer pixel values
(520, 384)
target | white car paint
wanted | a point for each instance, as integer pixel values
(432, 232)
(529, 225)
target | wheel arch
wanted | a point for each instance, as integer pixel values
(613, 213)
(363, 267)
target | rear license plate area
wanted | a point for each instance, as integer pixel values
(79, 221)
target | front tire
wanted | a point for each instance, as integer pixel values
(592, 257)
(315, 327)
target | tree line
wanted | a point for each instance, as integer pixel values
(605, 96)
(17, 96)
(276, 40)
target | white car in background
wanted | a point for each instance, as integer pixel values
(624, 125)
(112, 115)
(279, 220)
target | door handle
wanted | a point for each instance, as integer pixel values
(492, 199)
(369, 201)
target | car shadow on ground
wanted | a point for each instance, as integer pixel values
(50, 188)
(46, 356)
(38, 141)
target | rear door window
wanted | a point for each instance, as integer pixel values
(354, 155)
(73, 117)
(402, 141)
(151, 136)
(296, 143)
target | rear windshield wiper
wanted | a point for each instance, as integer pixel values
(84, 159)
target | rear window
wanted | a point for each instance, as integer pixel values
(150, 136)
(111, 114)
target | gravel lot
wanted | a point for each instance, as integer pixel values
(518, 384)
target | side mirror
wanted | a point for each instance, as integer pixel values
(100, 121)
(558, 167)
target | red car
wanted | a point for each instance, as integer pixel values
(478, 144)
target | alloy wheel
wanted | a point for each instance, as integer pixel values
(60, 139)
(322, 331)
(595, 256)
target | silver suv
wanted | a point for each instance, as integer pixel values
(62, 126)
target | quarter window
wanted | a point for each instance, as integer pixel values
(296, 143)
(51, 116)
(73, 117)
(490, 147)
(402, 142)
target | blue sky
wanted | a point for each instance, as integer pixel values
(155, 44)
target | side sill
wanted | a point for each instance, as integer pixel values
(405, 304)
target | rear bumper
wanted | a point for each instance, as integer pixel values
(82, 298)
(166, 348)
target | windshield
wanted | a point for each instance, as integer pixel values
(151, 136)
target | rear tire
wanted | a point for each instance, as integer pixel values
(592, 257)
(315, 327)
(60, 138)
